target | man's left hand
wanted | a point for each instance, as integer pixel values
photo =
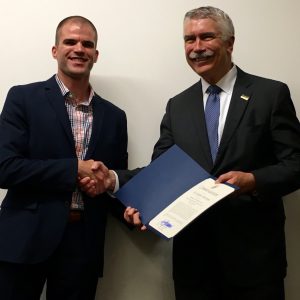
(245, 181)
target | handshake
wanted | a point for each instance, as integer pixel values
(95, 178)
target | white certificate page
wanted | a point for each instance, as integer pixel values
(189, 206)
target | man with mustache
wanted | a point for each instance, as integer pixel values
(51, 134)
(236, 249)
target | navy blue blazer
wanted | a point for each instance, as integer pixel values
(38, 166)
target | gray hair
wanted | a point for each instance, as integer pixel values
(216, 14)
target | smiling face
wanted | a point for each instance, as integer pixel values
(75, 50)
(207, 53)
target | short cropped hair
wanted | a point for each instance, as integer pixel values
(79, 19)
(216, 14)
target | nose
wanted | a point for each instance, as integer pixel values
(79, 47)
(198, 45)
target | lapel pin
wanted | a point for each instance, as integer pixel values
(245, 97)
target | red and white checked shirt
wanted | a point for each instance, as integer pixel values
(81, 119)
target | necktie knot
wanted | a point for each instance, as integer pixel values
(214, 89)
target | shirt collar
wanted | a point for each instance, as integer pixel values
(65, 91)
(226, 83)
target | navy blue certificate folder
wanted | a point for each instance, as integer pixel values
(156, 186)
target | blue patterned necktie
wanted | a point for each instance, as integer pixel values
(212, 113)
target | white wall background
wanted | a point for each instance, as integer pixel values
(141, 66)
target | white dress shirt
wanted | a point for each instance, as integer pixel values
(226, 84)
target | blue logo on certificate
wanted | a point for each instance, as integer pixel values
(166, 223)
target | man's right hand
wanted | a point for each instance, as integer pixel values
(94, 177)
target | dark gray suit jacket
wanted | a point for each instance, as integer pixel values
(241, 239)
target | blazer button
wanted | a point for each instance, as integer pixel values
(67, 203)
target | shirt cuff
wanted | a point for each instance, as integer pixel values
(117, 185)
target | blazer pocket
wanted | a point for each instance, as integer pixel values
(253, 129)
(252, 139)
(19, 204)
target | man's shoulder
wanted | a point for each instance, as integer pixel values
(34, 85)
(109, 105)
(259, 80)
(195, 89)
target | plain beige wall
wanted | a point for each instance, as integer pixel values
(141, 66)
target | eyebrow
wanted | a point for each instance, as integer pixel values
(187, 37)
(84, 43)
(201, 35)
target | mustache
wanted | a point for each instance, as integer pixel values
(204, 54)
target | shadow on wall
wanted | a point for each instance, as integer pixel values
(132, 92)
(292, 211)
(137, 265)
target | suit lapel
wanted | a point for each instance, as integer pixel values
(198, 119)
(98, 115)
(239, 101)
(57, 102)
